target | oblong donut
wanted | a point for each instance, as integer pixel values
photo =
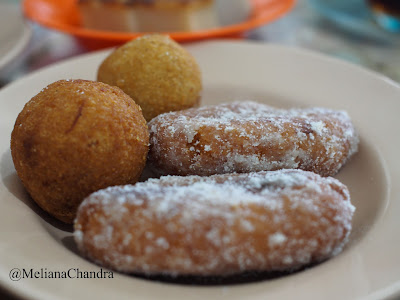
(218, 225)
(249, 137)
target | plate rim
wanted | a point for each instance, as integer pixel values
(388, 291)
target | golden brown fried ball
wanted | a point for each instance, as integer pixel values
(74, 138)
(156, 72)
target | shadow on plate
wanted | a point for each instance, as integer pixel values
(16, 188)
(242, 278)
(70, 244)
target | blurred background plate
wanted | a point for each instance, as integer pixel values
(63, 15)
(354, 16)
(14, 32)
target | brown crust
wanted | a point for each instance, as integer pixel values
(156, 72)
(74, 138)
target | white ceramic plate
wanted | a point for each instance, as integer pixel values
(14, 32)
(369, 267)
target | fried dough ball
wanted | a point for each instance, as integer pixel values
(158, 73)
(76, 137)
(218, 225)
(249, 137)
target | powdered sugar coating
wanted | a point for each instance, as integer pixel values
(249, 137)
(217, 225)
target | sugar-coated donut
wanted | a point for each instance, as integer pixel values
(217, 225)
(249, 137)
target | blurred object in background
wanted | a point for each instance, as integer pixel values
(386, 13)
(344, 29)
(161, 15)
(15, 35)
(233, 11)
(65, 16)
(356, 17)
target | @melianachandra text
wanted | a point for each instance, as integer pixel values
(72, 273)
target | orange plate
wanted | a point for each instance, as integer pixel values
(64, 15)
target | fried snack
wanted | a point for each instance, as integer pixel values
(219, 225)
(156, 72)
(76, 137)
(249, 137)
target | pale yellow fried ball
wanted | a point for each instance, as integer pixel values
(76, 137)
(159, 74)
